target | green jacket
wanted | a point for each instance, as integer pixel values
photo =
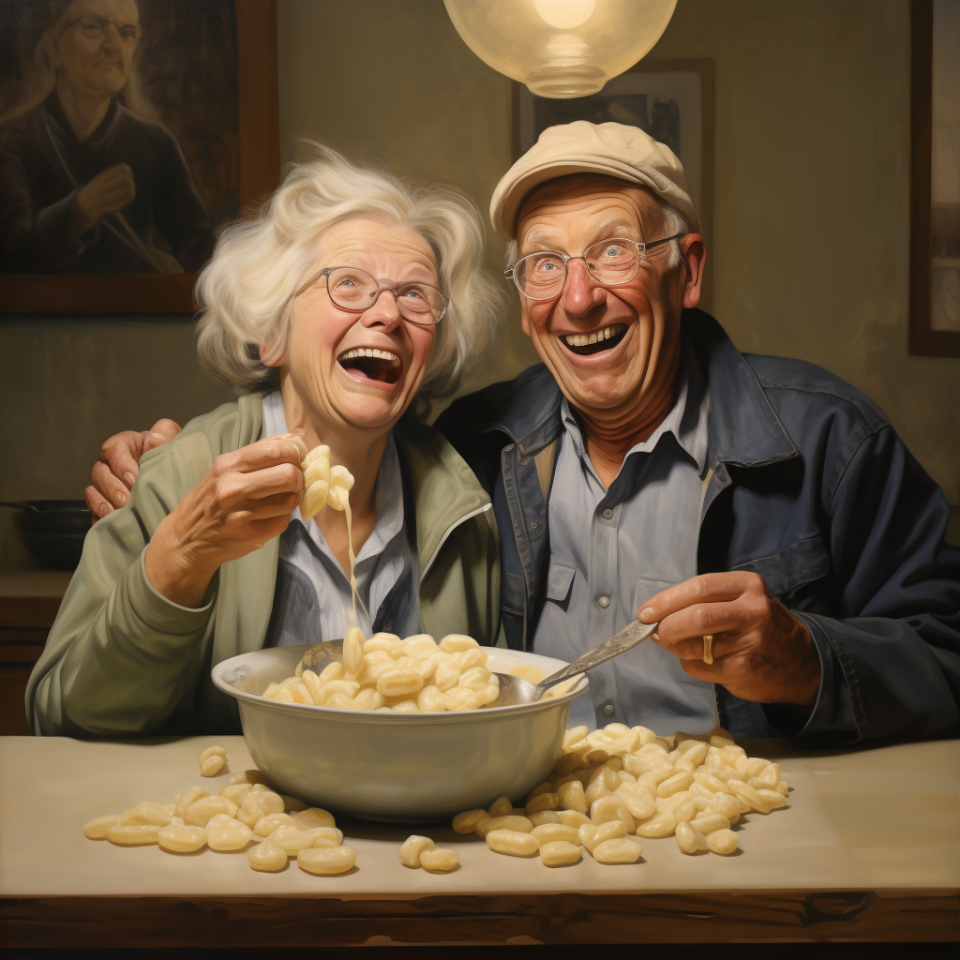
(120, 660)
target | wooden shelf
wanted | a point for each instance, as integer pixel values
(29, 602)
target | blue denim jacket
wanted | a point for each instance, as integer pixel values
(812, 489)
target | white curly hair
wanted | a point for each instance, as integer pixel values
(246, 291)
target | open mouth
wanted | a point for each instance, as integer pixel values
(585, 344)
(380, 365)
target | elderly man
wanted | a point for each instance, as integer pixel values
(758, 508)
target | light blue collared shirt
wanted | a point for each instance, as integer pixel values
(313, 601)
(612, 549)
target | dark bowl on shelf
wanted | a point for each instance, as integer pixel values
(54, 530)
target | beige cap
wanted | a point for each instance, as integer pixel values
(615, 149)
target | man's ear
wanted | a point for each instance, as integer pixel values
(693, 250)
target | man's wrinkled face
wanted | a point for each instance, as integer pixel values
(634, 326)
(95, 50)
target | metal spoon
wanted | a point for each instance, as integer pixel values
(513, 690)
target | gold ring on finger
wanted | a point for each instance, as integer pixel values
(708, 648)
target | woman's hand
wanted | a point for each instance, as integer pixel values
(244, 501)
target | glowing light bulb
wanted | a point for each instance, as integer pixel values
(565, 14)
(561, 48)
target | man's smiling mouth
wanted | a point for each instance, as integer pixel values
(374, 364)
(585, 344)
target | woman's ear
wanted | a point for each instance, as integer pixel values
(267, 360)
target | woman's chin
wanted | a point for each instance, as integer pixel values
(365, 402)
(369, 412)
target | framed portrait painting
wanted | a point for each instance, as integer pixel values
(935, 179)
(130, 131)
(672, 100)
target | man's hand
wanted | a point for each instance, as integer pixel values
(107, 192)
(761, 651)
(113, 474)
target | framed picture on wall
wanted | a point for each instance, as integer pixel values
(130, 131)
(672, 100)
(935, 180)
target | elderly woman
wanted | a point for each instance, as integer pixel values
(346, 299)
(88, 176)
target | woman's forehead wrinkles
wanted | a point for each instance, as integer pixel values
(365, 253)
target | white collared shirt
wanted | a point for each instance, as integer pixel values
(313, 601)
(611, 549)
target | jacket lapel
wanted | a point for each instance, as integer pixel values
(446, 491)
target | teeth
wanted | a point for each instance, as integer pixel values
(370, 352)
(583, 340)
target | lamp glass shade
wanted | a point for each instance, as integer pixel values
(561, 48)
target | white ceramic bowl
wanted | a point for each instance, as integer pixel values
(387, 766)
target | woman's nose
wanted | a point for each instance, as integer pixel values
(385, 312)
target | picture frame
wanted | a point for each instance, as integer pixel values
(934, 327)
(257, 174)
(658, 96)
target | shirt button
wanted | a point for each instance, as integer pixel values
(608, 514)
(604, 602)
(608, 709)
(533, 524)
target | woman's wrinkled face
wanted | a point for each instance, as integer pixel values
(362, 368)
(95, 51)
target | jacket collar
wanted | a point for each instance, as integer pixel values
(742, 427)
(444, 491)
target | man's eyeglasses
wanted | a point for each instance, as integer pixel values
(93, 28)
(352, 289)
(540, 276)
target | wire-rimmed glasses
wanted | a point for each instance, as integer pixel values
(356, 290)
(541, 275)
(94, 27)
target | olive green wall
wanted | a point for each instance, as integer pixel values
(810, 220)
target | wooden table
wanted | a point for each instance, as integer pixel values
(866, 850)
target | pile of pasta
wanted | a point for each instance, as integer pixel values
(609, 788)
(617, 783)
(245, 812)
(415, 675)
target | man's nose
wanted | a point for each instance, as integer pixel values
(581, 293)
(385, 311)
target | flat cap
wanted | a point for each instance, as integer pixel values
(614, 149)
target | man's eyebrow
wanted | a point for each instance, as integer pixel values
(615, 227)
